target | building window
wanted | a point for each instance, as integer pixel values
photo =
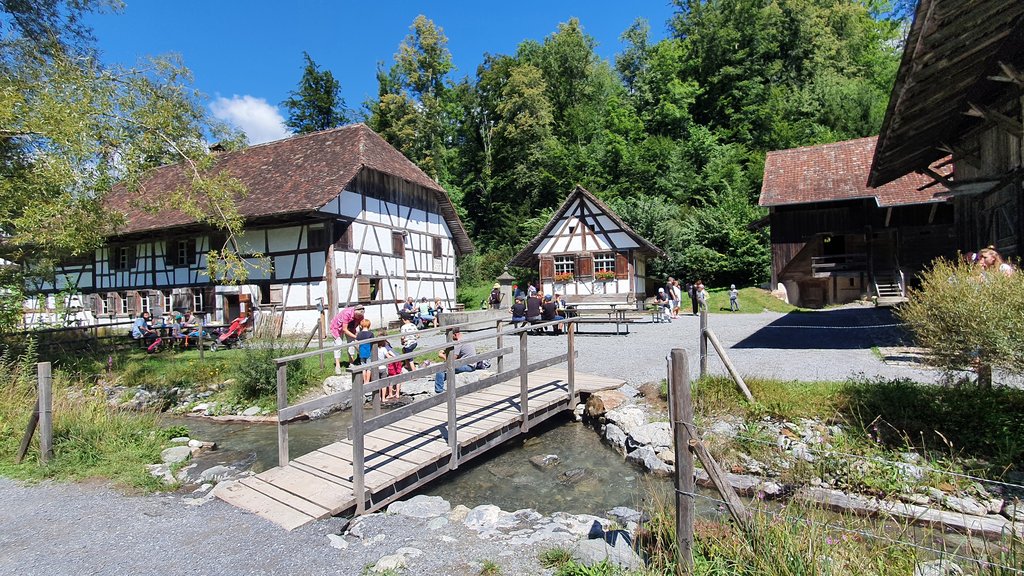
(316, 237)
(604, 262)
(103, 306)
(181, 252)
(121, 257)
(168, 300)
(197, 301)
(565, 265)
(437, 247)
(125, 302)
(144, 303)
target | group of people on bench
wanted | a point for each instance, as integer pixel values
(537, 308)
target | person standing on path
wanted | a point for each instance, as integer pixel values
(692, 289)
(734, 298)
(701, 294)
(344, 327)
(674, 296)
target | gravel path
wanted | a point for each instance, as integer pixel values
(82, 529)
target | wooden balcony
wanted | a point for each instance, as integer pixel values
(839, 265)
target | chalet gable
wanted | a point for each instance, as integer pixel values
(583, 224)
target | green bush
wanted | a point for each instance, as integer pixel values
(968, 320)
(256, 373)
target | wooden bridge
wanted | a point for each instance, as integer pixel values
(389, 455)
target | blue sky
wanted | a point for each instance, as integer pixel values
(247, 56)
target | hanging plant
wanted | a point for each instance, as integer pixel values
(605, 275)
(563, 277)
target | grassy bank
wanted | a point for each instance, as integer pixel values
(752, 301)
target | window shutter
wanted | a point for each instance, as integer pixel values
(209, 301)
(364, 288)
(437, 247)
(97, 304)
(585, 265)
(182, 299)
(547, 267)
(621, 266)
(133, 299)
(398, 244)
(344, 241)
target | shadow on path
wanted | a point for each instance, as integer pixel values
(842, 329)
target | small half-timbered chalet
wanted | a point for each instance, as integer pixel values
(340, 216)
(835, 240)
(958, 92)
(587, 249)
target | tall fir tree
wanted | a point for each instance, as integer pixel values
(317, 103)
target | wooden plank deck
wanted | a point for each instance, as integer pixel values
(403, 455)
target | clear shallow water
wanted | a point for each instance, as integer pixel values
(503, 477)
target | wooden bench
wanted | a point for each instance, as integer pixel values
(596, 310)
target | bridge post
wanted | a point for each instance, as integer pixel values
(571, 339)
(524, 383)
(703, 341)
(376, 395)
(358, 450)
(681, 414)
(282, 403)
(499, 344)
(453, 415)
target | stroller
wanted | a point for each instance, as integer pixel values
(230, 336)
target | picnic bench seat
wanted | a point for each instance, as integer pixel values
(596, 309)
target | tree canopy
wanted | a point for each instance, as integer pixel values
(673, 134)
(317, 103)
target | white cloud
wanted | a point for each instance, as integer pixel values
(260, 121)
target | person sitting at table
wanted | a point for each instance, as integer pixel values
(409, 307)
(178, 334)
(437, 308)
(549, 312)
(533, 311)
(142, 331)
(518, 310)
(426, 317)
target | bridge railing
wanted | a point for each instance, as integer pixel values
(362, 426)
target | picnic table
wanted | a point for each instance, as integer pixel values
(613, 312)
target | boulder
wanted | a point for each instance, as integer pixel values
(602, 401)
(625, 515)
(337, 541)
(1014, 511)
(251, 411)
(180, 440)
(335, 384)
(726, 428)
(175, 454)
(667, 456)
(390, 563)
(616, 437)
(646, 457)
(628, 418)
(543, 461)
(488, 517)
(217, 466)
(421, 506)
(965, 505)
(657, 435)
(592, 552)
(570, 477)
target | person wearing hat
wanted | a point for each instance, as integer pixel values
(461, 350)
(344, 327)
(734, 298)
(495, 298)
(664, 313)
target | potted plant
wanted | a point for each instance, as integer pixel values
(563, 277)
(605, 275)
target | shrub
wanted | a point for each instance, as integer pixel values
(256, 372)
(968, 321)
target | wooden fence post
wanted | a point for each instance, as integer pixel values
(373, 376)
(499, 344)
(524, 383)
(282, 402)
(358, 449)
(202, 331)
(681, 405)
(571, 349)
(703, 341)
(709, 335)
(453, 415)
(45, 411)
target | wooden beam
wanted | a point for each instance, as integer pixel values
(1009, 125)
(1009, 74)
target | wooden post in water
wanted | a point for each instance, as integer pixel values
(282, 403)
(681, 405)
(453, 415)
(524, 383)
(358, 452)
(45, 411)
(703, 341)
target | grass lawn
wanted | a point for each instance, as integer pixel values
(752, 300)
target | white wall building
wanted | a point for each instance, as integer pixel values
(338, 217)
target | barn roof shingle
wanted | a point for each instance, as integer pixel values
(837, 171)
(290, 176)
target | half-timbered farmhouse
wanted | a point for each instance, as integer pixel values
(340, 217)
(959, 92)
(834, 239)
(587, 249)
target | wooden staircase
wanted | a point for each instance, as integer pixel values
(888, 289)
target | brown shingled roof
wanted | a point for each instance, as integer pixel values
(295, 175)
(837, 171)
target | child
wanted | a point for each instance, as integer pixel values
(408, 339)
(385, 351)
(365, 349)
(734, 298)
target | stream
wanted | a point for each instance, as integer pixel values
(504, 476)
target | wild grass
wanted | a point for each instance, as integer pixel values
(470, 295)
(90, 439)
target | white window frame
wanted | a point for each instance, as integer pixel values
(123, 297)
(197, 301)
(104, 305)
(182, 249)
(604, 262)
(122, 257)
(565, 264)
(144, 302)
(168, 300)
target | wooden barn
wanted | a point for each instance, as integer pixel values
(836, 240)
(340, 216)
(586, 249)
(959, 92)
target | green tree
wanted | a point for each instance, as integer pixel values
(70, 129)
(317, 103)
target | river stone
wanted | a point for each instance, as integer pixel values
(483, 517)
(217, 466)
(602, 401)
(390, 563)
(646, 457)
(591, 552)
(965, 505)
(459, 513)
(1014, 511)
(913, 498)
(657, 435)
(175, 454)
(625, 515)
(570, 477)
(337, 541)
(543, 461)
(437, 523)
(421, 506)
(251, 411)
(938, 568)
(201, 407)
(726, 428)
(667, 456)
(616, 437)
(994, 505)
(628, 418)
(180, 440)
(334, 384)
